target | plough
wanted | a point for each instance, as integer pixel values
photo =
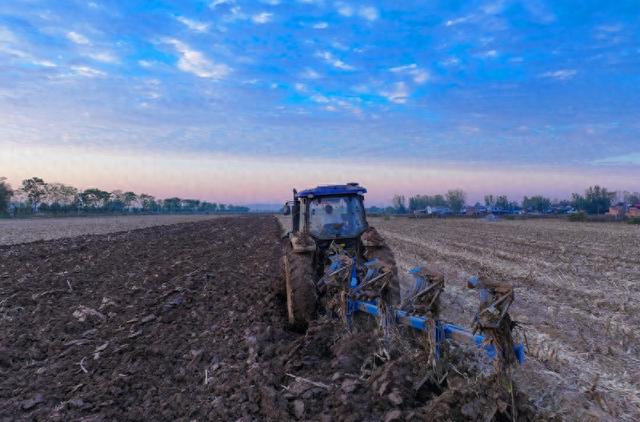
(335, 263)
(428, 283)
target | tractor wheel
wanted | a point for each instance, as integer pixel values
(384, 254)
(300, 288)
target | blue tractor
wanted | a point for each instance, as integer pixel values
(328, 227)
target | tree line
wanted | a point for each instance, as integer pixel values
(594, 200)
(37, 196)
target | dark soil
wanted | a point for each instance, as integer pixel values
(182, 323)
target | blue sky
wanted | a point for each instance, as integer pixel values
(514, 84)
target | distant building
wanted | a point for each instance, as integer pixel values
(477, 209)
(618, 210)
(634, 211)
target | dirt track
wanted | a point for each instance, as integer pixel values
(180, 322)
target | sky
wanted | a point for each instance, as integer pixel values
(240, 101)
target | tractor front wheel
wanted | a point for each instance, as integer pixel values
(300, 288)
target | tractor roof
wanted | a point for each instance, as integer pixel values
(327, 190)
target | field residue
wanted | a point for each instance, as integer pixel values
(576, 296)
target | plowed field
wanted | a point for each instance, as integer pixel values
(182, 322)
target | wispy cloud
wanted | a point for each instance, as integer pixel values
(419, 75)
(627, 159)
(561, 75)
(195, 62)
(397, 94)
(369, 13)
(334, 61)
(319, 98)
(104, 57)
(450, 61)
(262, 18)
(488, 54)
(310, 74)
(44, 63)
(457, 21)
(87, 71)
(345, 9)
(321, 25)
(193, 25)
(216, 3)
(77, 38)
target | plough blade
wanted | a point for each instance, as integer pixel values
(450, 331)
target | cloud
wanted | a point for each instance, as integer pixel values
(195, 62)
(104, 57)
(262, 18)
(334, 61)
(539, 12)
(216, 3)
(457, 21)
(78, 38)
(398, 94)
(271, 2)
(611, 27)
(87, 71)
(321, 25)
(193, 25)
(419, 75)
(6, 36)
(319, 98)
(311, 74)
(44, 63)
(369, 13)
(627, 159)
(300, 87)
(488, 54)
(344, 9)
(450, 61)
(561, 75)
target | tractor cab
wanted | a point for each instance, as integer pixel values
(329, 212)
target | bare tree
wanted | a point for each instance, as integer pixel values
(456, 199)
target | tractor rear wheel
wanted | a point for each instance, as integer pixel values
(385, 255)
(300, 288)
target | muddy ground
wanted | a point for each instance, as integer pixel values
(180, 322)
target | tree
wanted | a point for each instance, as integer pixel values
(489, 201)
(95, 198)
(399, 204)
(172, 204)
(36, 190)
(420, 202)
(596, 200)
(5, 195)
(456, 199)
(536, 203)
(632, 198)
(502, 202)
(148, 202)
(129, 198)
(190, 204)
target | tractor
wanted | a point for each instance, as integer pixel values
(329, 227)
